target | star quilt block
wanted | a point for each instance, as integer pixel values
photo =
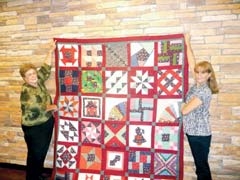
(91, 132)
(90, 158)
(68, 106)
(142, 82)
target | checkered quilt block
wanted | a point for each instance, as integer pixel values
(91, 56)
(139, 162)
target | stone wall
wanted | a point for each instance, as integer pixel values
(214, 26)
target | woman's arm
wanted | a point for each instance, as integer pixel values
(190, 56)
(191, 105)
(48, 59)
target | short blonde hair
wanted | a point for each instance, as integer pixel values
(25, 67)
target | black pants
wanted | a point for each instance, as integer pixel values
(200, 149)
(38, 139)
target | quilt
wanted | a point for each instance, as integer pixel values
(118, 112)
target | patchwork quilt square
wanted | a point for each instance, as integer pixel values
(88, 176)
(68, 106)
(115, 134)
(68, 130)
(166, 138)
(68, 55)
(142, 54)
(138, 136)
(116, 54)
(168, 110)
(91, 55)
(115, 109)
(170, 82)
(139, 162)
(165, 164)
(90, 158)
(115, 160)
(69, 81)
(91, 107)
(91, 132)
(112, 177)
(116, 82)
(91, 81)
(142, 82)
(66, 156)
(170, 52)
(141, 109)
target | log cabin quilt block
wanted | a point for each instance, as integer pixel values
(118, 112)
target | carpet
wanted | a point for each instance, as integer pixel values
(119, 101)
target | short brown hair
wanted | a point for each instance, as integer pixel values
(25, 67)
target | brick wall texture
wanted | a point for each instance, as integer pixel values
(214, 25)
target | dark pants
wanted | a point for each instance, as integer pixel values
(200, 149)
(38, 139)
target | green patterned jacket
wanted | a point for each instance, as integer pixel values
(34, 100)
